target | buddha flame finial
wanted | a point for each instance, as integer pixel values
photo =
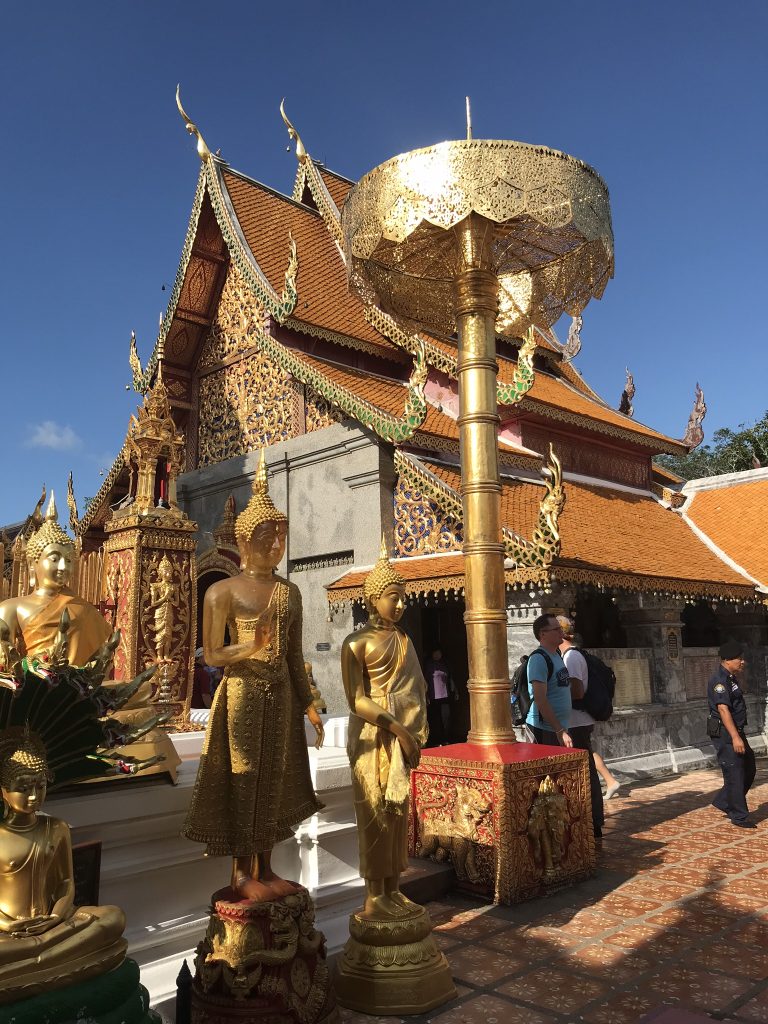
(382, 575)
(49, 533)
(260, 509)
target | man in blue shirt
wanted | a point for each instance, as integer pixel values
(549, 686)
(734, 754)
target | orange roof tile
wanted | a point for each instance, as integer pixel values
(611, 530)
(388, 395)
(734, 517)
(265, 218)
(336, 184)
(325, 301)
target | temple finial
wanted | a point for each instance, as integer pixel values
(469, 119)
(301, 153)
(202, 150)
(51, 513)
(74, 518)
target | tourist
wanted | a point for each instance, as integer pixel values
(441, 690)
(727, 722)
(201, 682)
(582, 723)
(548, 685)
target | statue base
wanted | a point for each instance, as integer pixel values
(514, 819)
(262, 962)
(393, 966)
(117, 995)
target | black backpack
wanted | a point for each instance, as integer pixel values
(521, 698)
(601, 687)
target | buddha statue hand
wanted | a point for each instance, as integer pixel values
(410, 747)
(317, 724)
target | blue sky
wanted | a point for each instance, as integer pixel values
(666, 100)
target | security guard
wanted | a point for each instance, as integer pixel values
(727, 722)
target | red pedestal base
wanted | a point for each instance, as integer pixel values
(515, 819)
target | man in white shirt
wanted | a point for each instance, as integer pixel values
(582, 723)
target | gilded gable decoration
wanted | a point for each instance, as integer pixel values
(325, 204)
(544, 546)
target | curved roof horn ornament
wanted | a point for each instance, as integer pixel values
(202, 150)
(301, 153)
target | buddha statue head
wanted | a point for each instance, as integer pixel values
(261, 528)
(50, 553)
(24, 774)
(384, 591)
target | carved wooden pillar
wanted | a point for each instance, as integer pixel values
(151, 558)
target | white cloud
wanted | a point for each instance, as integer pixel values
(49, 434)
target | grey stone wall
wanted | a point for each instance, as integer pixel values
(336, 486)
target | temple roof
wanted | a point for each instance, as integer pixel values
(324, 302)
(730, 513)
(639, 545)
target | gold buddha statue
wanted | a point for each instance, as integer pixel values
(45, 941)
(387, 698)
(33, 620)
(33, 626)
(253, 784)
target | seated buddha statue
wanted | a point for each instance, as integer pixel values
(254, 784)
(33, 620)
(387, 698)
(45, 941)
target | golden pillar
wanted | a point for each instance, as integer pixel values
(485, 615)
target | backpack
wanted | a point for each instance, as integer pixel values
(601, 687)
(521, 698)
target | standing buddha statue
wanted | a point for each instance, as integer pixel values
(391, 964)
(387, 698)
(254, 784)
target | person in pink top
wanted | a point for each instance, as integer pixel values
(441, 690)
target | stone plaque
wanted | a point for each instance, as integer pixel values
(633, 681)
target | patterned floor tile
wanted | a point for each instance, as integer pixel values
(487, 1009)
(624, 1008)
(636, 937)
(755, 1009)
(556, 989)
(608, 963)
(483, 967)
(697, 989)
(746, 961)
(626, 907)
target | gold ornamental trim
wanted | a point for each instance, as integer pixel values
(96, 503)
(553, 412)
(311, 177)
(605, 578)
(437, 586)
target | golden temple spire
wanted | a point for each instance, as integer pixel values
(301, 153)
(202, 150)
(74, 518)
(469, 119)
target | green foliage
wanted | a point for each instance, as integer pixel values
(731, 451)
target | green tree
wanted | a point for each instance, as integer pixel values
(731, 451)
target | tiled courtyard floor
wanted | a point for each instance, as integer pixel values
(677, 914)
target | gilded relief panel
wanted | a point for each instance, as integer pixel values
(421, 528)
(120, 592)
(242, 407)
(319, 412)
(229, 334)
